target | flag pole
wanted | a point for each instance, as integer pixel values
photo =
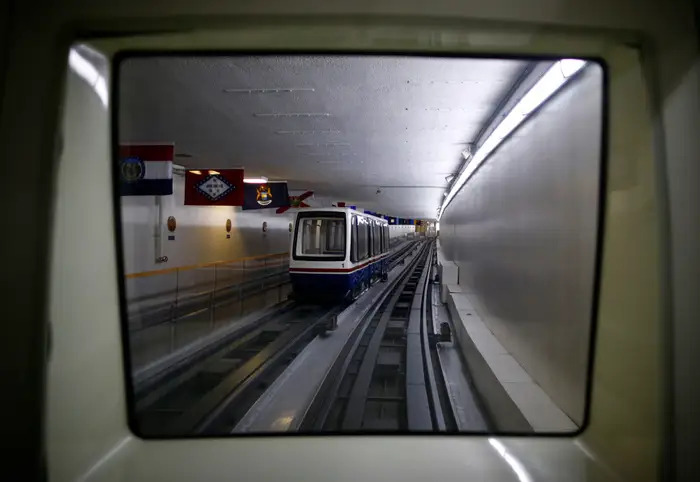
(158, 230)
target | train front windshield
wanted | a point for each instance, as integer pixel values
(323, 237)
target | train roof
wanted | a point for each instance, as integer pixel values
(347, 210)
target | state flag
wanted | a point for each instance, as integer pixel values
(146, 169)
(267, 195)
(209, 187)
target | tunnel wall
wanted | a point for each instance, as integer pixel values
(200, 235)
(398, 230)
(523, 233)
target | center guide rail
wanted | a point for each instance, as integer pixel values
(383, 379)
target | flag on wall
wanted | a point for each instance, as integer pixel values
(267, 195)
(209, 187)
(146, 170)
(296, 202)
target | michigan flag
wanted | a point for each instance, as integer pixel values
(267, 195)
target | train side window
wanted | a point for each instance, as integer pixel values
(362, 239)
(377, 239)
(375, 251)
(370, 239)
(385, 240)
(353, 238)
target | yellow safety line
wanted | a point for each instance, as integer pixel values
(144, 274)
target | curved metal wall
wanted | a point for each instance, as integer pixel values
(523, 233)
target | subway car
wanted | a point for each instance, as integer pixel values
(337, 253)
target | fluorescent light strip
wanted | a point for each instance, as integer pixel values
(303, 133)
(272, 90)
(327, 144)
(255, 180)
(292, 114)
(547, 85)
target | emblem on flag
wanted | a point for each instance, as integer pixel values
(145, 169)
(132, 169)
(263, 195)
(214, 187)
(272, 194)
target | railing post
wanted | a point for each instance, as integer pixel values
(212, 297)
(278, 281)
(211, 309)
(262, 278)
(240, 287)
(173, 321)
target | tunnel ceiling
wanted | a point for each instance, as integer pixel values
(345, 127)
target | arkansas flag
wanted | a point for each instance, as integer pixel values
(146, 170)
(208, 187)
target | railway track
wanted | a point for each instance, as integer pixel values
(192, 401)
(385, 378)
(210, 393)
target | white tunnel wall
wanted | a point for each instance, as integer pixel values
(398, 230)
(523, 233)
(200, 235)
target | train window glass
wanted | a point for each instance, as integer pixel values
(220, 302)
(362, 239)
(322, 237)
(380, 230)
(353, 248)
(370, 237)
(377, 238)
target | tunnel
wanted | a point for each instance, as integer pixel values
(414, 238)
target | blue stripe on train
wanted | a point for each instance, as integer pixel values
(334, 286)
